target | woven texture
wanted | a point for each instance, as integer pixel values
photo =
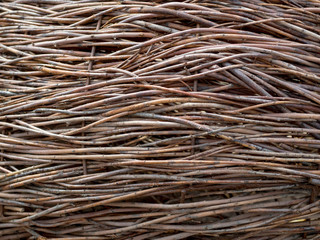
(159, 120)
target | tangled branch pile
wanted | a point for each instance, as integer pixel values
(159, 120)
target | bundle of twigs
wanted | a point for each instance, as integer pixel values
(159, 120)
